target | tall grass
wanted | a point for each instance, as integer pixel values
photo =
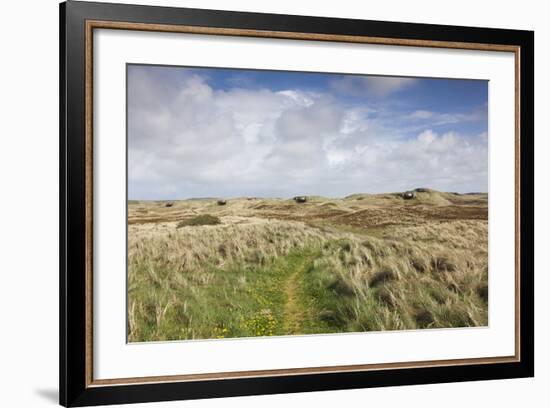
(390, 284)
(234, 279)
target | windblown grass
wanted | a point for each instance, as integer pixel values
(272, 267)
(211, 281)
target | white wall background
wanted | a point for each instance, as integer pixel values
(29, 202)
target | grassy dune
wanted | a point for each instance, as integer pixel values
(264, 267)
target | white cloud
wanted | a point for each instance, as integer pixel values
(421, 114)
(427, 137)
(187, 139)
(299, 98)
(438, 118)
(375, 86)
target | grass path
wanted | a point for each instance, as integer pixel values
(295, 314)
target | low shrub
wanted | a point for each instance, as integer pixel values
(205, 219)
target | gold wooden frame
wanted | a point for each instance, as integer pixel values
(98, 24)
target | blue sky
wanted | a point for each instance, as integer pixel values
(229, 132)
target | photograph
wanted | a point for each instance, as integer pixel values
(257, 202)
(282, 203)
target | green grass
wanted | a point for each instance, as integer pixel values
(309, 290)
(194, 275)
(243, 301)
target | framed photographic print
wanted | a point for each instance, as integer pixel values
(256, 203)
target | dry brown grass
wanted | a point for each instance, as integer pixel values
(367, 262)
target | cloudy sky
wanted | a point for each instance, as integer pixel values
(203, 132)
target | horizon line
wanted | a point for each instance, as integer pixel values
(302, 195)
